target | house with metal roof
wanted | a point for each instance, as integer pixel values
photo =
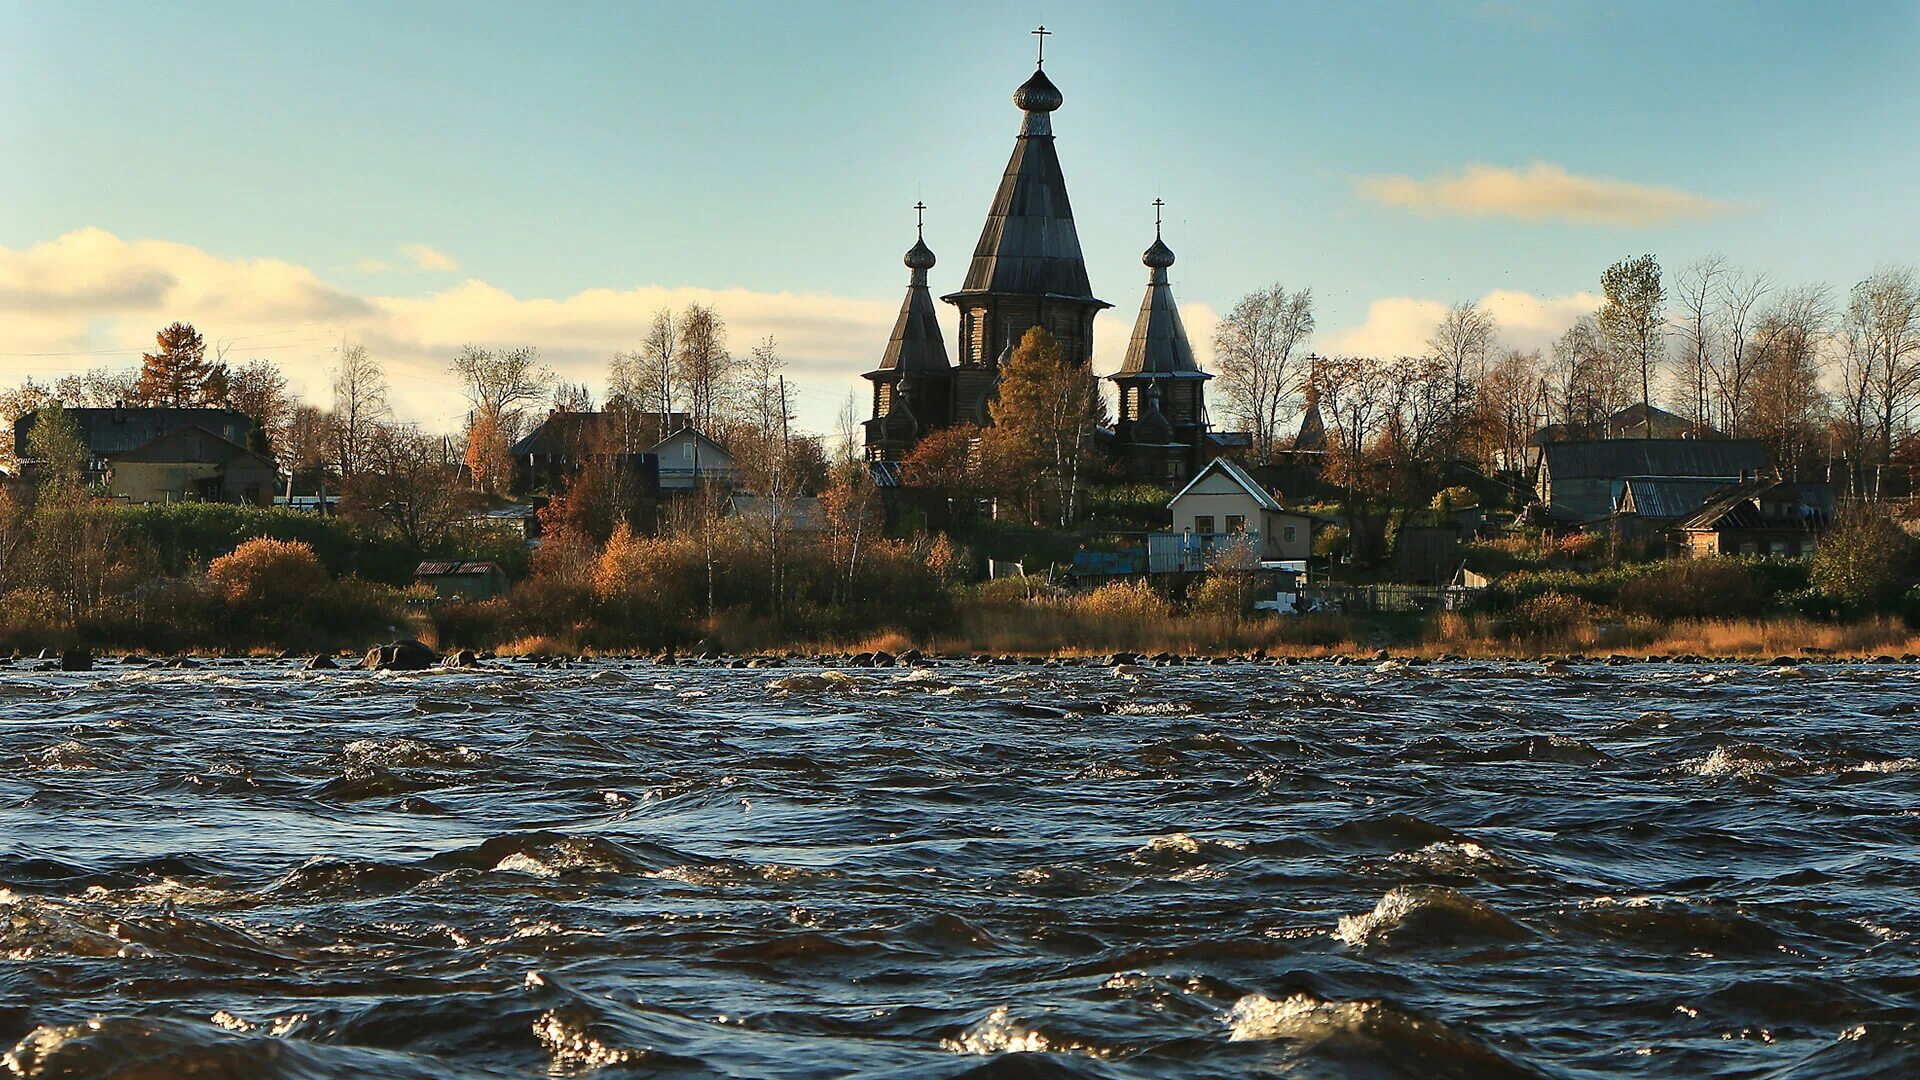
(1767, 516)
(122, 429)
(1223, 503)
(191, 464)
(1584, 480)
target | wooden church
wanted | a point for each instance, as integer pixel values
(1027, 271)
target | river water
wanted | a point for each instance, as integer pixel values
(1462, 870)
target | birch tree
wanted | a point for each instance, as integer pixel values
(1632, 319)
(1259, 349)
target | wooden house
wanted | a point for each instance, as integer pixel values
(1583, 480)
(1760, 517)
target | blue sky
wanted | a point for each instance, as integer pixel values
(263, 169)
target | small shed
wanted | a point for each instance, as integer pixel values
(462, 579)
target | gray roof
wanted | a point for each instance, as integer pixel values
(568, 432)
(1616, 458)
(1739, 507)
(916, 344)
(1029, 245)
(118, 430)
(1668, 496)
(192, 443)
(1159, 346)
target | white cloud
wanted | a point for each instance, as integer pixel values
(90, 298)
(1543, 192)
(425, 258)
(371, 266)
(1401, 325)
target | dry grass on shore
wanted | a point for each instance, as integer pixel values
(1065, 629)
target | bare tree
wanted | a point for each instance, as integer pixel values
(1505, 404)
(259, 390)
(645, 378)
(359, 406)
(1785, 405)
(1883, 316)
(499, 387)
(572, 397)
(1257, 348)
(1632, 318)
(703, 376)
(1462, 344)
(1696, 290)
(1587, 381)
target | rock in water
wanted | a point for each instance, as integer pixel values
(322, 662)
(463, 658)
(76, 660)
(403, 655)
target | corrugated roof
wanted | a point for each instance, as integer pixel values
(1615, 458)
(448, 567)
(116, 430)
(1667, 497)
(191, 443)
(1739, 506)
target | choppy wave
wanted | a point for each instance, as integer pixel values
(618, 868)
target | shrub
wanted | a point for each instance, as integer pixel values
(1223, 592)
(266, 574)
(1860, 561)
(1693, 589)
(1578, 546)
(1124, 600)
(1553, 614)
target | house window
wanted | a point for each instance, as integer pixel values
(1236, 523)
(1290, 532)
(1203, 523)
(1776, 547)
(1749, 547)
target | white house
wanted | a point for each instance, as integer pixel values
(1222, 500)
(687, 458)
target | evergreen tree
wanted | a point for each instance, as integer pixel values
(178, 374)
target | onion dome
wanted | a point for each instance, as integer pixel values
(1153, 427)
(1038, 94)
(900, 425)
(1159, 256)
(919, 256)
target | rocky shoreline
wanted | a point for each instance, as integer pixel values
(412, 655)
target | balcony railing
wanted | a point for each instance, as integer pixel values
(1175, 552)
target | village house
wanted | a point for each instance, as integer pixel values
(1584, 480)
(663, 450)
(1766, 516)
(191, 465)
(1222, 503)
(121, 430)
